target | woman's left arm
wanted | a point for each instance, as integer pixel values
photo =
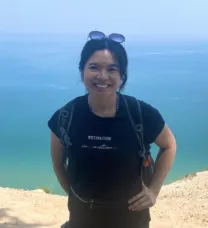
(147, 197)
(165, 158)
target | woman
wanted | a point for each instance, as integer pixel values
(103, 178)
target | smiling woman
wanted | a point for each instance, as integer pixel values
(103, 67)
(101, 75)
(100, 144)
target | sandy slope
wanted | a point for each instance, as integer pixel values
(183, 204)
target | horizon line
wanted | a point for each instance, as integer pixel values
(83, 36)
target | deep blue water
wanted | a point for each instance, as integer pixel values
(38, 76)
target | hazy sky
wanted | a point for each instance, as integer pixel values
(149, 18)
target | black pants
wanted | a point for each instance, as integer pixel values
(68, 225)
(81, 216)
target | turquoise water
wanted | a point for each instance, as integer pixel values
(38, 76)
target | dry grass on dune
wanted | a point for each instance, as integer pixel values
(182, 204)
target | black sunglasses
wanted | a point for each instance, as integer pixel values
(97, 35)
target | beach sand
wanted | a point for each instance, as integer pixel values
(182, 204)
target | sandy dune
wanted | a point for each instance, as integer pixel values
(183, 204)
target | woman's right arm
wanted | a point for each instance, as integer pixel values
(58, 165)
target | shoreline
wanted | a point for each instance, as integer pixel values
(48, 190)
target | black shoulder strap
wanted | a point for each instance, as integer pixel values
(132, 103)
(64, 122)
(137, 125)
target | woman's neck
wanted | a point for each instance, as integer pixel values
(103, 106)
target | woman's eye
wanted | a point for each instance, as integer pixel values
(112, 69)
(93, 68)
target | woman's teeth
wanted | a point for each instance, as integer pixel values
(101, 86)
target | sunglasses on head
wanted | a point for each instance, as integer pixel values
(97, 35)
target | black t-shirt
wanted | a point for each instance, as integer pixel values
(104, 148)
(105, 163)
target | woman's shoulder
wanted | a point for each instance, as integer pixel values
(63, 111)
(152, 120)
(146, 107)
(150, 112)
(69, 104)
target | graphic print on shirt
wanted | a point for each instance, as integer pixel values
(103, 146)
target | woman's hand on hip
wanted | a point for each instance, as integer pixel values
(145, 199)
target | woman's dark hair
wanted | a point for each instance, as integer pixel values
(115, 48)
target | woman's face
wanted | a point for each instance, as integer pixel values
(101, 74)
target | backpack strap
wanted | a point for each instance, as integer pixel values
(137, 127)
(64, 123)
(147, 167)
